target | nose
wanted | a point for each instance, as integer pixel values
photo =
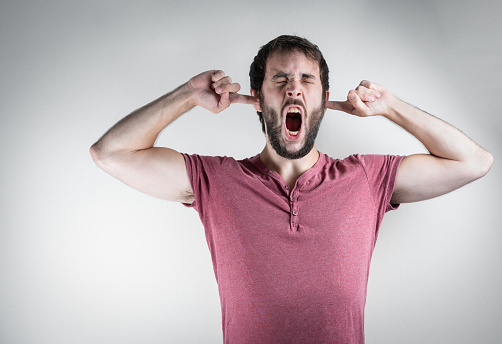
(294, 89)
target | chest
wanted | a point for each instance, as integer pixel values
(323, 231)
(336, 214)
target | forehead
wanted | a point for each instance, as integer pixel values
(294, 62)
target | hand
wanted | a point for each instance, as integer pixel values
(215, 92)
(368, 99)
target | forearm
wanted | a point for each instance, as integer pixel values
(440, 138)
(140, 129)
(454, 159)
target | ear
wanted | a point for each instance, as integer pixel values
(327, 99)
(256, 104)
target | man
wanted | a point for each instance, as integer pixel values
(291, 231)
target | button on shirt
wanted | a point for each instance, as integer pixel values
(292, 265)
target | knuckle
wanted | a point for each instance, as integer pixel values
(217, 74)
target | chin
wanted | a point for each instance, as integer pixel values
(292, 154)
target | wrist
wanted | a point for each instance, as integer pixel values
(188, 92)
(175, 103)
(396, 109)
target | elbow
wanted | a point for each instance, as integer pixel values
(486, 164)
(482, 165)
(106, 159)
(98, 155)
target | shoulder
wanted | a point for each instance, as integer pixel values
(207, 160)
(373, 161)
(349, 162)
(216, 164)
(367, 163)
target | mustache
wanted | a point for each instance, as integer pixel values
(294, 102)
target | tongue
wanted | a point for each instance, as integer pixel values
(293, 122)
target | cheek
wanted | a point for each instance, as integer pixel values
(271, 103)
(315, 101)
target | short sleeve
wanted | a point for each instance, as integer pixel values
(201, 171)
(381, 172)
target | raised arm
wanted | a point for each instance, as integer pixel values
(127, 150)
(454, 159)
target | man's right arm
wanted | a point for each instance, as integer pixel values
(127, 151)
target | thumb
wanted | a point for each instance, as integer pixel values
(224, 101)
(362, 109)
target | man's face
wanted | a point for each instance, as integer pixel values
(292, 103)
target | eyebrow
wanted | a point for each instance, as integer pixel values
(288, 76)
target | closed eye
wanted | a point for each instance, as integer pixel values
(280, 81)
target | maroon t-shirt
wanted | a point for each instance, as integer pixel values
(292, 265)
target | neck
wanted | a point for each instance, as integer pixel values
(289, 170)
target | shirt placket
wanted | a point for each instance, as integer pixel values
(293, 201)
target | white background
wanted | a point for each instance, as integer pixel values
(86, 259)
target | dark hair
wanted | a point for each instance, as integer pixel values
(288, 44)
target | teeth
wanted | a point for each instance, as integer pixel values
(294, 110)
(293, 133)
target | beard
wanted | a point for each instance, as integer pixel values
(275, 127)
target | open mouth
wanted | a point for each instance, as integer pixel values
(293, 121)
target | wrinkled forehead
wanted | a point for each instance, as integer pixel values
(294, 63)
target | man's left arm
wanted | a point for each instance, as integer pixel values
(454, 160)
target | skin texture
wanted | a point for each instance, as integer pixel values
(127, 150)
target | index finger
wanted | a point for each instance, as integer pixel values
(242, 99)
(344, 106)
